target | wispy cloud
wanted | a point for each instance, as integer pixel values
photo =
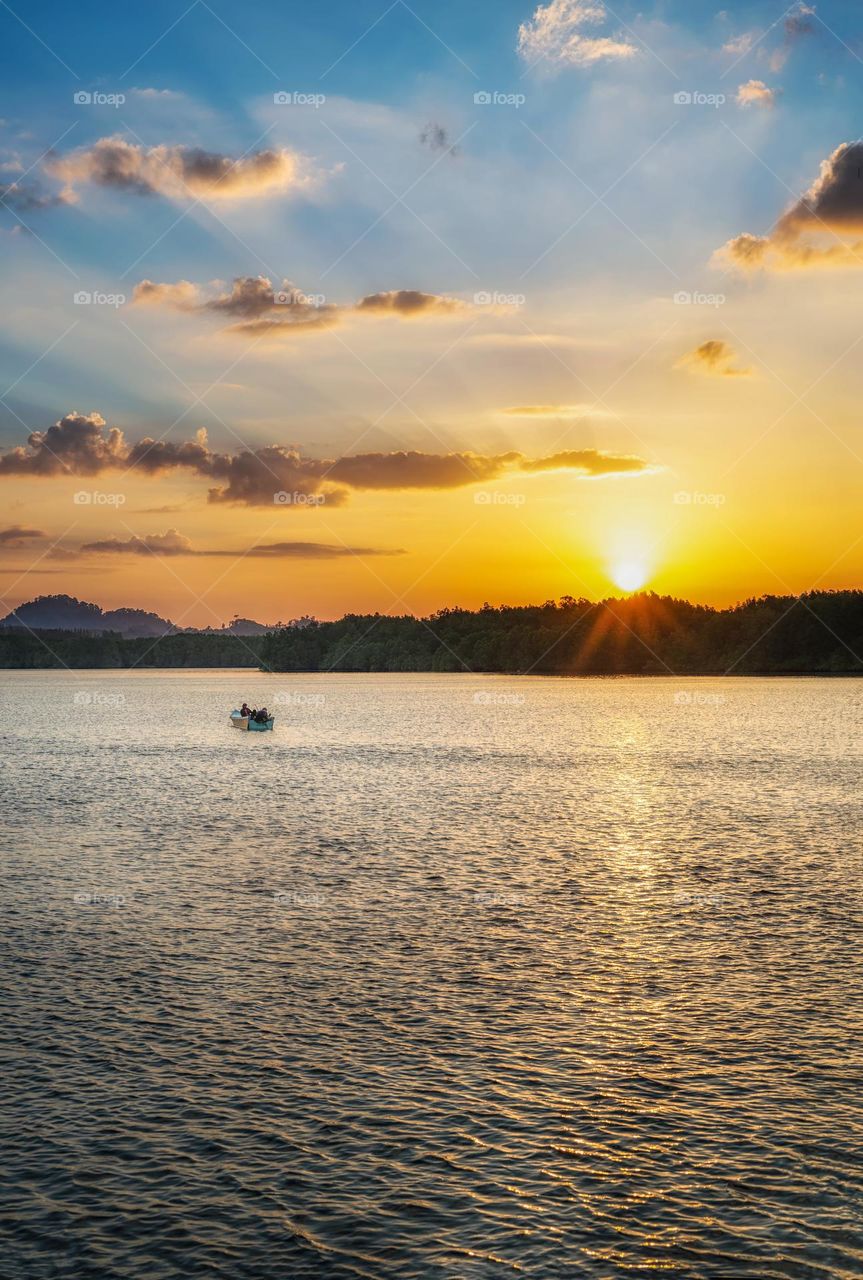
(260, 307)
(715, 358)
(555, 35)
(174, 543)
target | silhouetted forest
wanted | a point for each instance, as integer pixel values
(819, 633)
(645, 634)
(78, 649)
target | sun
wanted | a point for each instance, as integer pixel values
(629, 575)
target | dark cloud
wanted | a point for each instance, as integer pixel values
(173, 543)
(279, 474)
(799, 23)
(409, 303)
(823, 228)
(28, 197)
(17, 536)
(76, 445)
(177, 172)
(713, 357)
(436, 138)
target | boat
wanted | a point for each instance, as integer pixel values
(246, 722)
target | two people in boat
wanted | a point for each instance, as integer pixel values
(260, 717)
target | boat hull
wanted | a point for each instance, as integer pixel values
(247, 724)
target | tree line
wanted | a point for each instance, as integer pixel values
(20, 648)
(819, 633)
(645, 634)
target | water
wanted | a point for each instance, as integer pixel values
(562, 980)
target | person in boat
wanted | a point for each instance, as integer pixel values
(246, 710)
(262, 716)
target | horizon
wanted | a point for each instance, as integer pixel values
(645, 594)
(527, 316)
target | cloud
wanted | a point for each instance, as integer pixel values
(75, 445)
(17, 536)
(28, 197)
(436, 138)
(409, 303)
(160, 95)
(755, 93)
(740, 45)
(260, 307)
(810, 233)
(713, 357)
(173, 543)
(79, 445)
(178, 172)
(797, 26)
(554, 34)
(553, 411)
(587, 462)
(799, 22)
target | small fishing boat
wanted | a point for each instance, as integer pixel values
(246, 722)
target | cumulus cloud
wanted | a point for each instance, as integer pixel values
(76, 445)
(813, 231)
(177, 172)
(755, 93)
(274, 474)
(715, 358)
(18, 536)
(260, 307)
(173, 543)
(554, 34)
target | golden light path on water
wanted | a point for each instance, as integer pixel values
(449, 976)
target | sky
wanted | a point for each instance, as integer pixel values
(396, 306)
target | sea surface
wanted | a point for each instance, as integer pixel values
(448, 978)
